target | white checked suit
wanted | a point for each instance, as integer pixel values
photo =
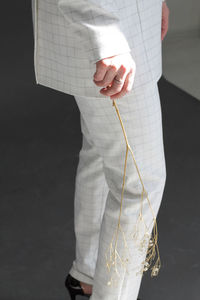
(70, 36)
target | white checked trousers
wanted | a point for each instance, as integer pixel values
(99, 181)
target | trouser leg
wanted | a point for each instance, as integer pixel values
(141, 115)
(89, 201)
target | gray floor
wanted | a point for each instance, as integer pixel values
(40, 141)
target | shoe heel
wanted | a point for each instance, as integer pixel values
(72, 296)
(71, 292)
(73, 287)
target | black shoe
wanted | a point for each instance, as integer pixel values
(74, 287)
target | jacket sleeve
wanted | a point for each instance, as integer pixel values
(98, 29)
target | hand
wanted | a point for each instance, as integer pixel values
(165, 20)
(109, 70)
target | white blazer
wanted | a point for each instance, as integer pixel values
(70, 36)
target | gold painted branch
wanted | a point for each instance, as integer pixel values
(147, 245)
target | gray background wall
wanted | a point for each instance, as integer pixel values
(181, 46)
(184, 16)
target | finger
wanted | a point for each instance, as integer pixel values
(164, 28)
(127, 87)
(101, 69)
(109, 76)
(164, 31)
(116, 86)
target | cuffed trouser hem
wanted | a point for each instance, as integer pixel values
(80, 276)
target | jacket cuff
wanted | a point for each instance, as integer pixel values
(106, 41)
(97, 30)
